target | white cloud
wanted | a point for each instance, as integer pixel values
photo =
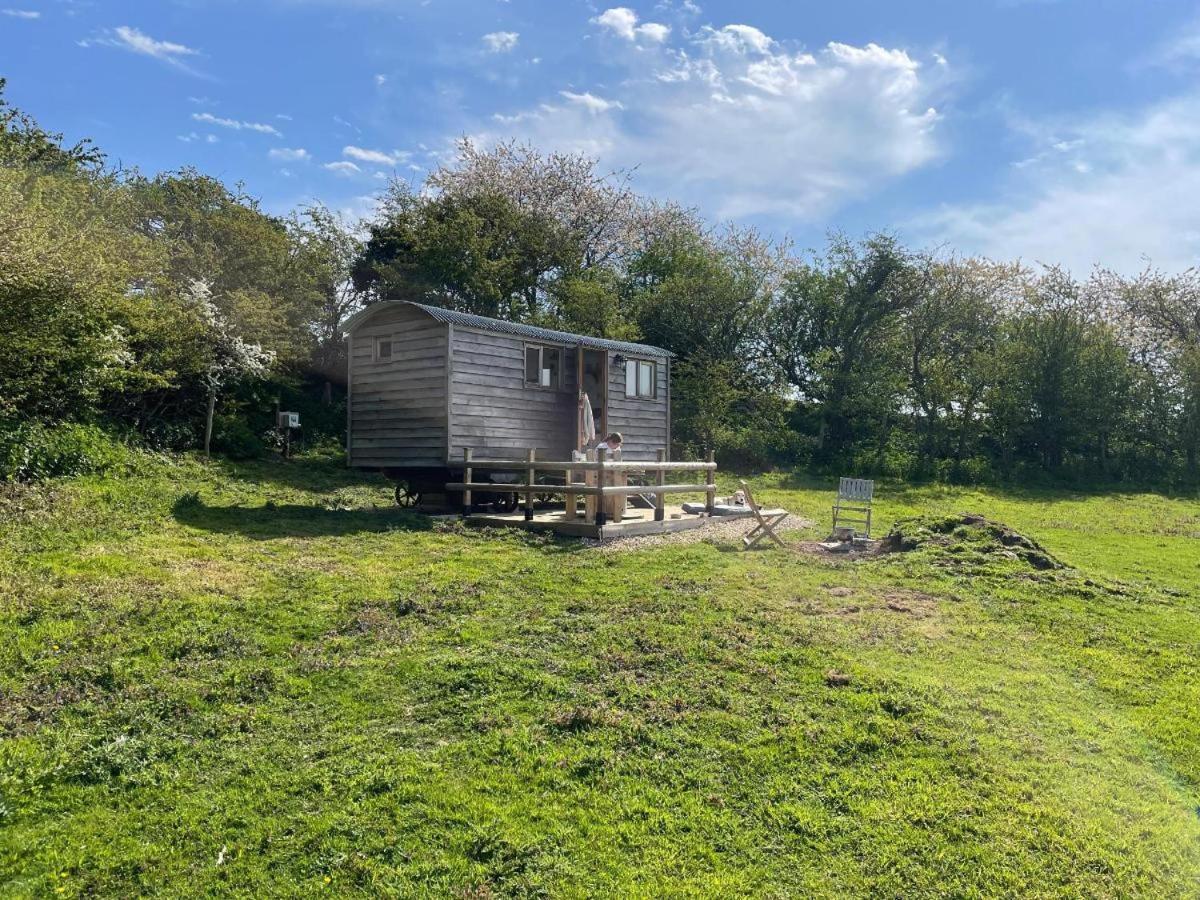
(380, 80)
(342, 168)
(193, 137)
(654, 32)
(374, 157)
(739, 39)
(501, 41)
(28, 14)
(1112, 189)
(623, 22)
(590, 102)
(745, 125)
(288, 154)
(236, 125)
(135, 41)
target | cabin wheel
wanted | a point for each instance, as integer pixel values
(406, 497)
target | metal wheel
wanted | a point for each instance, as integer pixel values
(406, 497)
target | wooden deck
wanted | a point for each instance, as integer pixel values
(634, 522)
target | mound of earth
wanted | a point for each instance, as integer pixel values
(967, 532)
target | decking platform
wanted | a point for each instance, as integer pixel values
(635, 522)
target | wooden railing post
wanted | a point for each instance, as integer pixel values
(570, 498)
(660, 498)
(467, 480)
(530, 476)
(601, 481)
(710, 478)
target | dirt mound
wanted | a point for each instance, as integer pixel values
(967, 533)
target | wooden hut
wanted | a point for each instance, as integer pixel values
(427, 383)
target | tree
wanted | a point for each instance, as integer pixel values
(833, 333)
(27, 146)
(950, 337)
(1065, 375)
(67, 267)
(1160, 317)
(220, 236)
(514, 233)
(477, 254)
(229, 356)
(701, 293)
(325, 249)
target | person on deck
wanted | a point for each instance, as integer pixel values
(611, 443)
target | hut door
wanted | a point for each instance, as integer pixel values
(594, 383)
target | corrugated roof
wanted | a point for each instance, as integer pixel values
(500, 326)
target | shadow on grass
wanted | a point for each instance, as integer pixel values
(293, 520)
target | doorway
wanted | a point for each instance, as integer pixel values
(594, 382)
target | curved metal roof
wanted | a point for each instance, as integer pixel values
(500, 326)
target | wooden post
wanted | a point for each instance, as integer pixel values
(530, 474)
(601, 481)
(570, 499)
(660, 499)
(710, 478)
(467, 479)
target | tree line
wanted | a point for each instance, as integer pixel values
(138, 303)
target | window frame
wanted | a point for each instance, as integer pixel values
(637, 362)
(559, 381)
(391, 354)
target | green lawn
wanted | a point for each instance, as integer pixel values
(261, 680)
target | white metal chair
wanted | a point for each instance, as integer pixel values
(853, 506)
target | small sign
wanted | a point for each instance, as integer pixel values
(289, 420)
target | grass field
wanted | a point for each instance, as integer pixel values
(261, 680)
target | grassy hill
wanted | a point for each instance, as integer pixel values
(262, 680)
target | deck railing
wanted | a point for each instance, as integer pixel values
(606, 472)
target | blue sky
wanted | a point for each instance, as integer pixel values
(1050, 130)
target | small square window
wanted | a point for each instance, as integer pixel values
(383, 349)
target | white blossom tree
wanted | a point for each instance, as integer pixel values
(230, 357)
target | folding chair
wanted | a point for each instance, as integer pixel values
(853, 504)
(767, 522)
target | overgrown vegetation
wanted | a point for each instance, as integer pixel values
(264, 678)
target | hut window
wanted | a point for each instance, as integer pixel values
(383, 349)
(640, 379)
(543, 366)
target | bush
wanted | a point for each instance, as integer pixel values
(31, 451)
(235, 439)
(760, 449)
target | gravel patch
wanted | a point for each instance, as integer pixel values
(717, 530)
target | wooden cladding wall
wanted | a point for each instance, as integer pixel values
(642, 422)
(494, 412)
(398, 404)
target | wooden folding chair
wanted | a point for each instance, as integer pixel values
(853, 505)
(767, 522)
